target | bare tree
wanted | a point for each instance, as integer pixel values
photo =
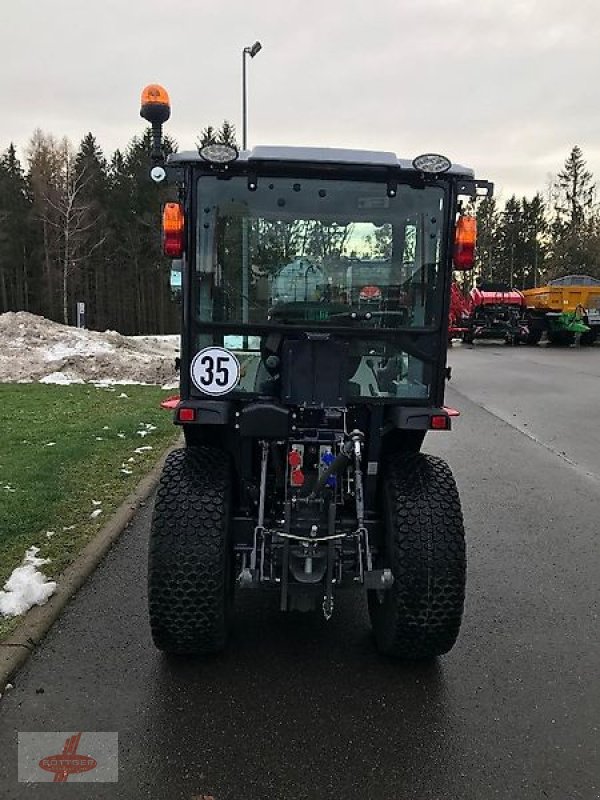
(73, 221)
(44, 154)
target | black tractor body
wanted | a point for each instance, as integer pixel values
(315, 297)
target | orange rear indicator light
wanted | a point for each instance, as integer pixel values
(173, 224)
(465, 239)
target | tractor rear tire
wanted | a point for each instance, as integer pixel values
(419, 616)
(190, 563)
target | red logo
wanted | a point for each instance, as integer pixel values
(69, 762)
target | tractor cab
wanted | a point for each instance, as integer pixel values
(315, 300)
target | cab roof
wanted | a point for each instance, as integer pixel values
(325, 155)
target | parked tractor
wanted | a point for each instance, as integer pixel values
(564, 308)
(309, 380)
(495, 312)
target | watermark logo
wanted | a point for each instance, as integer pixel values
(82, 757)
(69, 762)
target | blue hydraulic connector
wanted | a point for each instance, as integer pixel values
(327, 459)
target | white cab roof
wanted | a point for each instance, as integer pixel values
(326, 155)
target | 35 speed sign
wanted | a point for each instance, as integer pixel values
(215, 371)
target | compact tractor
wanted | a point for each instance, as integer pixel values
(315, 299)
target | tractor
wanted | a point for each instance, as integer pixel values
(315, 302)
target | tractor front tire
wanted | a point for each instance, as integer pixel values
(419, 617)
(190, 563)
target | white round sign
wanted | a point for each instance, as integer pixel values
(215, 370)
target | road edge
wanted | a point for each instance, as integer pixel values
(16, 649)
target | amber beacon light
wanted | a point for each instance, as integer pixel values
(156, 109)
(156, 106)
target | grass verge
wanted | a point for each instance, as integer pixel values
(67, 452)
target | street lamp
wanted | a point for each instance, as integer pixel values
(247, 51)
(251, 51)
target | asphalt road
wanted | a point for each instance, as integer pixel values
(300, 708)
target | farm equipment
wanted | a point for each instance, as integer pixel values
(564, 308)
(495, 312)
(309, 378)
(460, 308)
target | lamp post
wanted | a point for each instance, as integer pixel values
(251, 51)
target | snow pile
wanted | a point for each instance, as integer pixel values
(26, 586)
(36, 349)
(61, 378)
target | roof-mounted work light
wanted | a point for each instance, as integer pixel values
(432, 163)
(218, 153)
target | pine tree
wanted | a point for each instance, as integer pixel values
(134, 220)
(487, 238)
(577, 190)
(533, 252)
(15, 234)
(509, 245)
(207, 136)
(226, 134)
(572, 228)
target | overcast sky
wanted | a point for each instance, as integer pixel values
(504, 86)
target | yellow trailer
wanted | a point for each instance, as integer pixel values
(564, 307)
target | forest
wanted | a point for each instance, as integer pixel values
(76, 225)
(532, 240)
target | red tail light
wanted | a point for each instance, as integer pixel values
(464, 243)
(440, 422)
(186, 415)
(173, 223)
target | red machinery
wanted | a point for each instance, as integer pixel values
(460, 308)
(492, 311)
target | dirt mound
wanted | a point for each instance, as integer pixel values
(36, 349)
